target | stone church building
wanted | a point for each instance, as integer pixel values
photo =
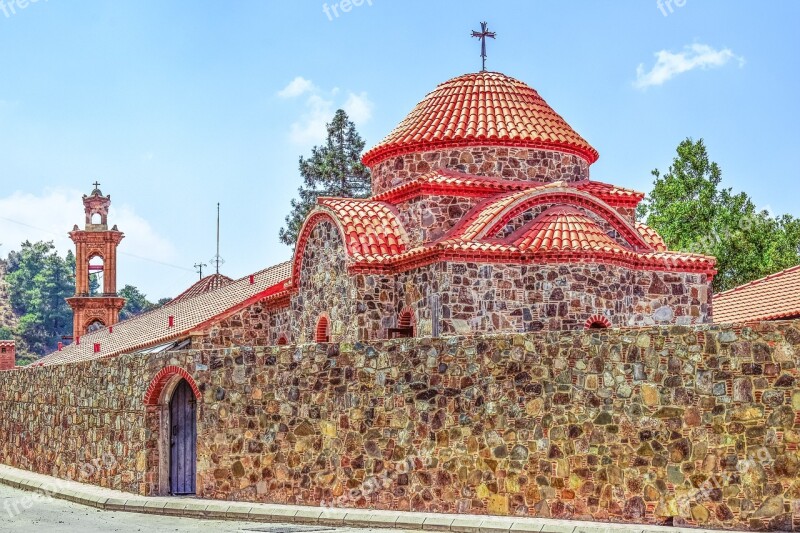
(483, 218)
(483, 229)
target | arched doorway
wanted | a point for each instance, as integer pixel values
(183, 440)
(160, 398)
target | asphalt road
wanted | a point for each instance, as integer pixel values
(57, 516)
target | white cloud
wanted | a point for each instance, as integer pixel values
(49, 216)
(320, 106)
(359, 107)
(297, 87)
(669, 64)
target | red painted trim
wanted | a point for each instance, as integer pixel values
(630, 260)
(153, 394)
(379, 154)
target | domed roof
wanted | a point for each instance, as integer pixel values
(481, 109)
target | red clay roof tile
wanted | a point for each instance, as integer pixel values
(152, 328)
(773, 297)
(484, 108)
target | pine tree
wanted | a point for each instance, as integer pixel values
(39, 280)
(334, 169)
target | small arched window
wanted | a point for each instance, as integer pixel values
(322, 334)
(405, 325)
(597, 322)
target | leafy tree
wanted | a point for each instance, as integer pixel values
(6, 334)
(136, 302)
(694, 214)
(334, 169)
(38, 283)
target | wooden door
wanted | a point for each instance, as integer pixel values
(183, 440)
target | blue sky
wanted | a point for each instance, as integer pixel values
(175, 106)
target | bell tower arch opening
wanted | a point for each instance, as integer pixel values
(95, 303)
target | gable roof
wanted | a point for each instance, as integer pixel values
(774, 297)
(152, 328)
(206, 284)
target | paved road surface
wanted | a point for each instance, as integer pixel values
(60, 516)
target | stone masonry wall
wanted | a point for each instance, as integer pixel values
(683, 425)
(325, 287)
(465, 298)
(521, 164)
(484, 298)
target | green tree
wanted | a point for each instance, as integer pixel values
(6, 334)
(691, 211)
(136, 302)
(334, 169)
(38, 283)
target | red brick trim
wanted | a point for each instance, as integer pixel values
(153, 394)
(406, 318)
(595, 321)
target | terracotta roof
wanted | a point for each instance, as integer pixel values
(561, 228)
(774, 297)
(371, 228)
(449, 182)
(207, 284)
(611, 194)
(652, 237)
(152, 328)
(481, 109)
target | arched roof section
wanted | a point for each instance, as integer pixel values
(489, 217)
(371, 230)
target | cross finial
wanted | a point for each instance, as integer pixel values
(96, 185)
(482, 35)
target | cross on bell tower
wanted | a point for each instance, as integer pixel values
(95, 253)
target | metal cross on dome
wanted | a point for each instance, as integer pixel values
(482, 35)
(96, 185)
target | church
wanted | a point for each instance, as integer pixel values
(482, 219)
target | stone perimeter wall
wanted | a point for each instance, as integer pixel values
(684, 425)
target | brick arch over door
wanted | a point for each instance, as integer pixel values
(164, 376)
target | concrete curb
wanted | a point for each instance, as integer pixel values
(113, 500)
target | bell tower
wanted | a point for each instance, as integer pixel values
(95, 252)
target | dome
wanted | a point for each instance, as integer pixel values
(481, 109)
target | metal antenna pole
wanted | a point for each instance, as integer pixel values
(217, 237)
